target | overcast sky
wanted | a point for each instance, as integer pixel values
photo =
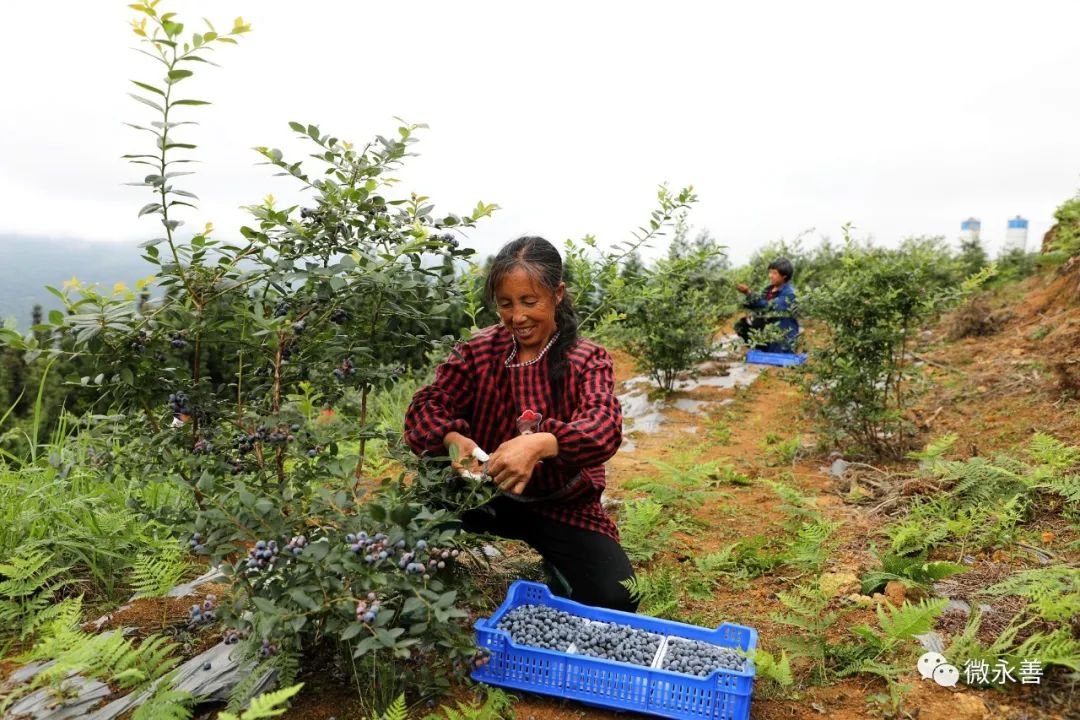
(903, 119)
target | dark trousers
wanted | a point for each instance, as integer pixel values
(744, 325)
(591, 563)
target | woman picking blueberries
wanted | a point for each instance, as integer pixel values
(543, 398)
(774, 304)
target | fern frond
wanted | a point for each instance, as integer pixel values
(779, 671)
(935, 450)
(795, 503)
(1054, 592)
(907, 621)
(27, 591)
(286, 666)
(243, 690)
(267, 705)
(980, 482)
(810, 546)
(112, 657)
(166, 703)
(59, 632)
(397, 710)
(155, 574)
(803, 604)
(1067, 486)
(1048, 450)
(915, 535)
(645, 526)
(657, 592)
(1057, 648)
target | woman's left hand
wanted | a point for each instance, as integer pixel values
(511, 465)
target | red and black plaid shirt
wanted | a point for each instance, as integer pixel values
(476, 395)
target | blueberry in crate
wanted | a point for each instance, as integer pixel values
(721, 694)
(693, 657)
(617, 642)
(541, 626)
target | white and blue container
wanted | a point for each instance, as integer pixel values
(1016, 235)
(970, 228)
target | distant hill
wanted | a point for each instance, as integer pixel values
(28, 264)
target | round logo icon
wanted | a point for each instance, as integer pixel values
(946, 675)
(928, 662)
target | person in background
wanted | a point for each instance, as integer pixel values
(541, 399)
(774, 304)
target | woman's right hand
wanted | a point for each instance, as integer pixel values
(743, 288)
(464, 447)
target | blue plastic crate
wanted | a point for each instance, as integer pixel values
(723, 695)
(760, 357)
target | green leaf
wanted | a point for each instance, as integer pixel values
(302, 599)
(265, 605)
(365, 646)
(909, 620)
(145, 101)
(178, 75)
(151, 88)
(190, 102)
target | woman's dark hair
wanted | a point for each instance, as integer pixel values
(541, 260)
(782, 266)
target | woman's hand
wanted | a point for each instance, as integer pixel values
(465, 446)
(511, 465)
(743, 288)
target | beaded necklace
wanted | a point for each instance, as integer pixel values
(513, 354)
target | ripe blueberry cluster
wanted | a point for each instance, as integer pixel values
(178, 342)
(296, 545)
(448, 239)
(204, 613)
(419, 560)
(541, 626)
(202, 446)
(282, 309)
(231, 637)
(366, 610)
(298, 327)
(621, 643)
(267, 649)
(338, 316)
(344, 369)
(262, 555)
(196, 543)
(693, 657)
(312, 214)
(139, 343)
(275, 436)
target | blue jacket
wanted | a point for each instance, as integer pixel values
(782, 309)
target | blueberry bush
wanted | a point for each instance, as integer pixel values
(247, 388)
(861, 380)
